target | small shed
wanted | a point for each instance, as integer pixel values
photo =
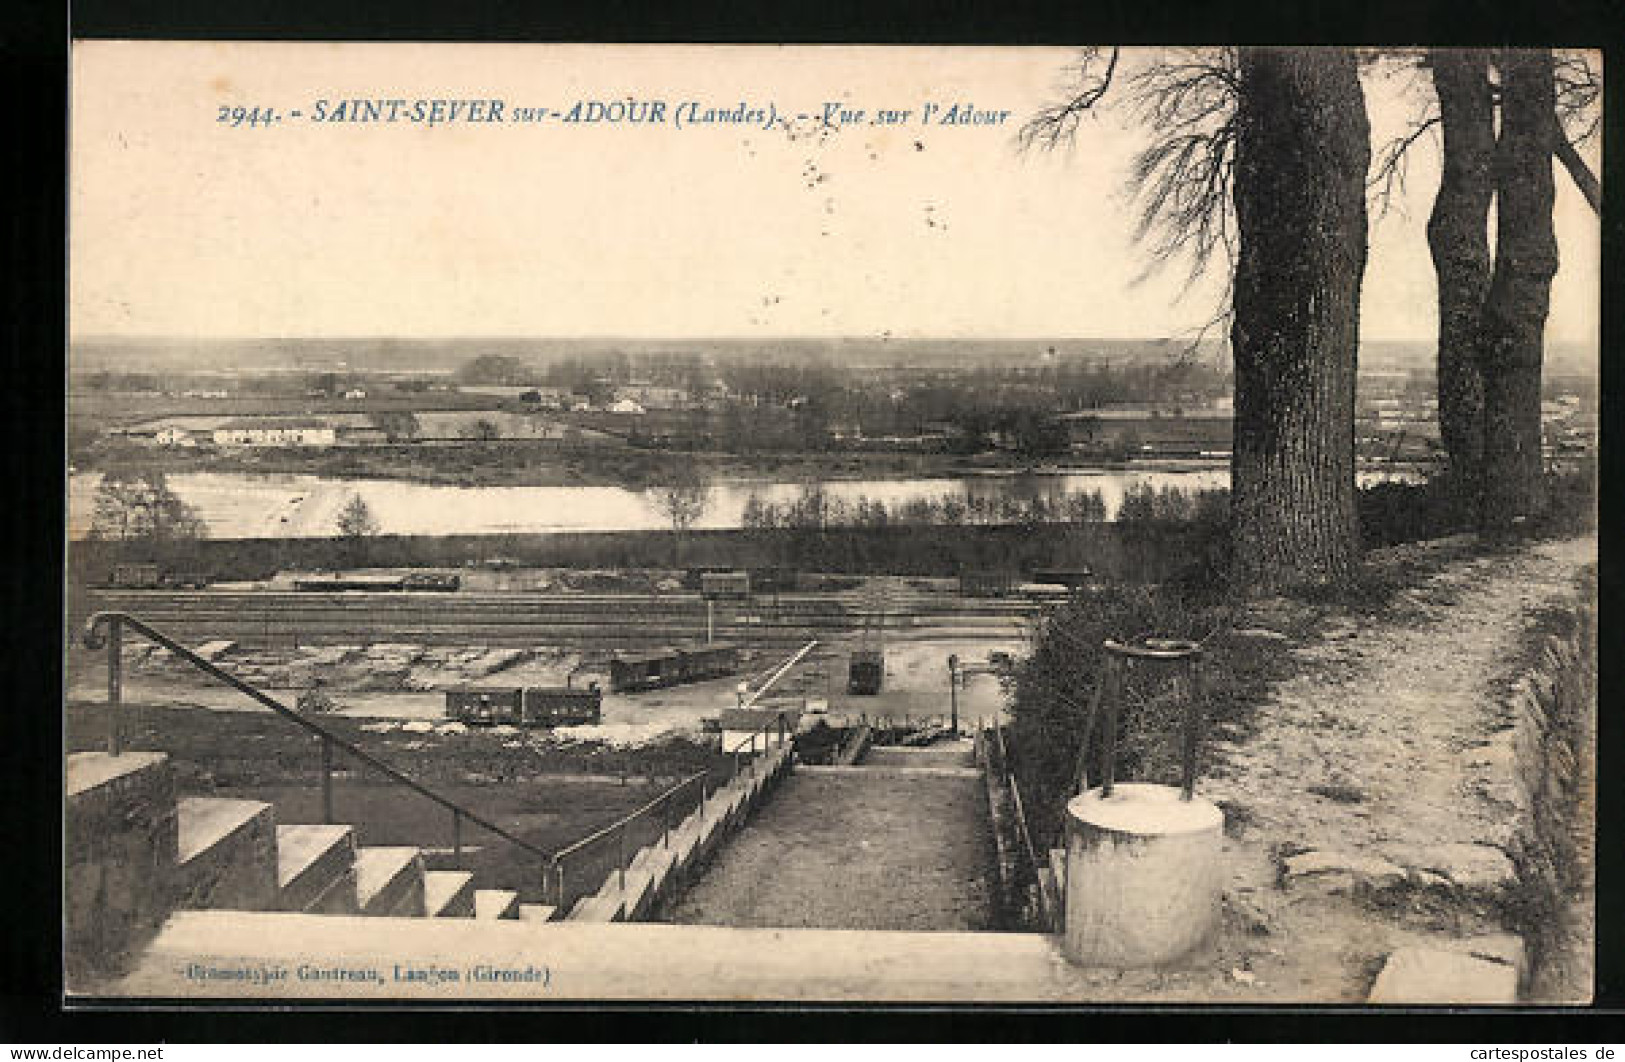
(738, 724)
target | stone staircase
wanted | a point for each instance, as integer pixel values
(135, 853)
(140, 859)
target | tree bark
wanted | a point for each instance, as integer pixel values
(1511, 347)
(1458, 237)
(1301, 156)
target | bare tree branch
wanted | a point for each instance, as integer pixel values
(1183, 179)
(1579, 95)
(1388, 174)
(1579, 116)
(1057, 124)
(1584, 179)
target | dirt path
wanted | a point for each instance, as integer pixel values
(1385, 768)
(865, 848)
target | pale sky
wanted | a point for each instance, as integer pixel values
(183, 226)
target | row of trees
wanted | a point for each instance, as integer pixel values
(1261, 157)
(140, 511)
(815, 508)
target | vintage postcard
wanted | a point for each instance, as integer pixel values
(865, 524)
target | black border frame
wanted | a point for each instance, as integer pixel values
(35, 67)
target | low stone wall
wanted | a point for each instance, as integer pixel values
(119, 850)
(657, 874)
(1555, 709)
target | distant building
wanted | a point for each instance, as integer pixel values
(363, 435)
(545, 397)
(626, 405)
(650, 396)
(275, 431)
(176, 436)
(355, 393)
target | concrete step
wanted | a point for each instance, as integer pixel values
(536, 912)
(389, 881)
(448, 894)
(315, 867)
(951, 753)
(642, 960)
(226, 854)
(496, 903)
(599, 908)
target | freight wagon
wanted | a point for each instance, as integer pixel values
(725, 585)
(150, 577)
(866, 672)
(1071, 578)
(985, 584)
(545, 706)
(697, 572)
(381, 583)
(629, 672)
(773, 580)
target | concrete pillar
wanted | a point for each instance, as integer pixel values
(1142, 876)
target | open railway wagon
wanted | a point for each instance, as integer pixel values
(417, 581)
(725, 586)
(985, 583)
(630, 672)
(866, 670)
(544, 706)
(143, 576)
(1071, 578)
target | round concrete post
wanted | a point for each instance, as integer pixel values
(1142, 876)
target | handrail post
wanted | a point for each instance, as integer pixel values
(115, 686)
(704, 778)
(665, 822)
(1114, 694)
(620, 837)
(1193, 725)
(457, 837)
(558, 881)
(327, 780)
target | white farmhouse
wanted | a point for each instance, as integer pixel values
(171, 435)
(275, 431)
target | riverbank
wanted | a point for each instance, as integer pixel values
(610, 463)
(1142, 553)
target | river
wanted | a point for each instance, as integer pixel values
(261, 505)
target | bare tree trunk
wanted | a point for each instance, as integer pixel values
(1514, 323)
(1458, 236)
(1302, 151)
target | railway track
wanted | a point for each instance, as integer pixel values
(595, 620)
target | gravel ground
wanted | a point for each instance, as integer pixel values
(854, 851)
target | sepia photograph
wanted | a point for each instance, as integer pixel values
(1068, 526)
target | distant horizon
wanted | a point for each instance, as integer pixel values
(472, 337)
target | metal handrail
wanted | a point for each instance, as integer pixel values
(577, 846)
(618, 828)
(1008, 773)
(115, 622)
